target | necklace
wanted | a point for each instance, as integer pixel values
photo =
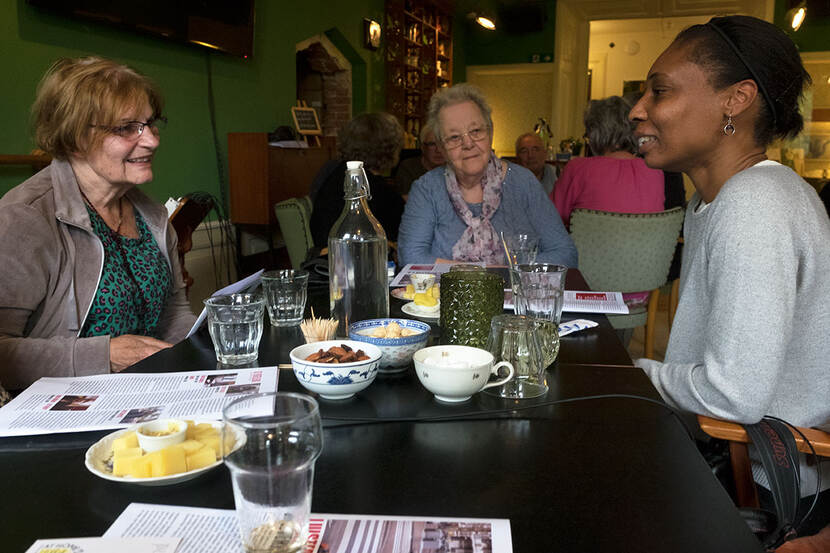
(117, 229)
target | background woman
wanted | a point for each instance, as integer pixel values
(750, 335)
(455, 212)
(375, 139)
(614, 179)
(91, 279)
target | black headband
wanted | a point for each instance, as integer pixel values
(758, 82)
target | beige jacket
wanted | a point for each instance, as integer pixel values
(50, 266)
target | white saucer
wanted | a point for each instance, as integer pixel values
(101, 451)
(414, 310)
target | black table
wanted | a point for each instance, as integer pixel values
(593, 475)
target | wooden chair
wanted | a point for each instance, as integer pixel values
(745, 492)
(187, 216)
(294, 218)
(627, 252)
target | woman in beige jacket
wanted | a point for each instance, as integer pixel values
(91, 280)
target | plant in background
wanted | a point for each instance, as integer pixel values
(571, 145)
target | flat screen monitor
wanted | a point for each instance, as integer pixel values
(224, 25)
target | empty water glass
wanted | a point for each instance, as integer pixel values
(285, 295)
(522, 248)
(538, 292)
(235, 326)
(515, 339)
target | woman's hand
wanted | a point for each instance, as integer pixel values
(129, 349)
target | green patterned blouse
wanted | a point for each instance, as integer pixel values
(134, 286)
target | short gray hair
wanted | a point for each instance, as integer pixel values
(375, 139)
(525, 135)
(607, 126)
(423, 136)
(458, 94)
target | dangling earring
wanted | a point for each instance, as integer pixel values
(729, 128)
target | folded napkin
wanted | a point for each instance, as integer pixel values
(575, 325)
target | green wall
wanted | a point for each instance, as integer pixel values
(253, 95)
(483, 47)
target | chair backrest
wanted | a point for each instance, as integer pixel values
(625, 252)
(294, 217)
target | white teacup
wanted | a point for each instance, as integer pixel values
(455, 373)
(422, 282)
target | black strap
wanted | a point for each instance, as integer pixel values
(779, 456)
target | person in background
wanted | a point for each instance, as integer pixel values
(531, 154)
(455, 212)
(99, 287)
(375, 139)
(749, 338)
(409, 170)
(614, 178)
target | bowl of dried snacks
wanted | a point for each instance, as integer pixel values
(335, 369)
(397, 339)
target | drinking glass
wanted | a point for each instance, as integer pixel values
(514, 338)
(469, 300)
(277, 437)
(538, 292)
(235, 325)
(522, 248)
(285, 294)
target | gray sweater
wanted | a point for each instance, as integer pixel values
(750, 337)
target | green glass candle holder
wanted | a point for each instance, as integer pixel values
(469, 301)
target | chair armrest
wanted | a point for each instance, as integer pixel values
(734, 432)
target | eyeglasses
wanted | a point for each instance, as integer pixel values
(456, 140)
(132, 130)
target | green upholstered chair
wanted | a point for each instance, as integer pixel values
(294, 217)
(627, 252)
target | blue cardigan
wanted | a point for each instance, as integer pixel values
(430, 227)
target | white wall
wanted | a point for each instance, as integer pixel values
(637, 43)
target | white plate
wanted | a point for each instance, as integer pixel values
(101, 451)
(399, 293)
(413, 310)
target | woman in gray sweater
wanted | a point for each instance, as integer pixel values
(750, 335)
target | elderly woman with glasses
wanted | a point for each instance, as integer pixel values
(456, 211)
(90, 273)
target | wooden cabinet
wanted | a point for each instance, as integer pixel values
(418, 59)
(262, 175)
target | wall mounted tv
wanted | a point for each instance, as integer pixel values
(223, 25)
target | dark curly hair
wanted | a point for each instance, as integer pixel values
(769, 58)
(375, 139)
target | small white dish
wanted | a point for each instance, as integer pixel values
(100, 453)
(172, 432)
(414, 310)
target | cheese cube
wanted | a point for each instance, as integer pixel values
(123, 460)
(127, 440)
(140, 467)
(214, 443)
(201, 458)
(191, 446)
(167, 461)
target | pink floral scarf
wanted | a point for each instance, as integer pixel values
(480, 242)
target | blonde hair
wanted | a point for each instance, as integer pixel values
(458, 94)
(76, 94)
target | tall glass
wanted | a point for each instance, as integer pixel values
(521, 248)
(278, 438)
(235, 326)
(538, 292)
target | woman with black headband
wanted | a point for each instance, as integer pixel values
(750, 337)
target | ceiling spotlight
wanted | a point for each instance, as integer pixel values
(486, 22)
(797, 14)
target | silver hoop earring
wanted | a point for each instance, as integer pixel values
(729, 128)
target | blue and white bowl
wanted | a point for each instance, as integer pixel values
(397, 352)
(335, 380)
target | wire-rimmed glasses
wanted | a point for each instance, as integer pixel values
(132, 130)
(476, 135)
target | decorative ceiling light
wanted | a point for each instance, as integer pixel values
(797, 14)
(487, 22)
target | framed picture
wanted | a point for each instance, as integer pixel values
(371, 34)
